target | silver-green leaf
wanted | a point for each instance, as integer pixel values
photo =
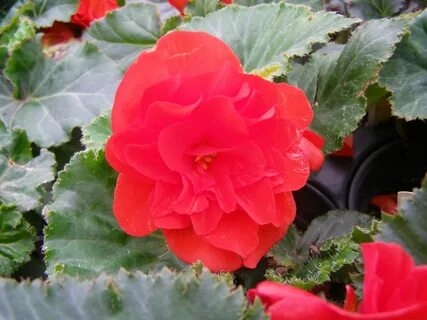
(405, 74)
(336, 77)
(268, 35)
(82, 236)
(374, 9)
(17, 239)
(124, 33)
(21, 175)
(162, 296)
(51, 96)
(96, 133)
(46, 12)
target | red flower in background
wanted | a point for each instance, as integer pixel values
(347, 148)
(60, 32)
(179, 5)
(393, 289)
(90, 10)
(386, 203)
(207, 153)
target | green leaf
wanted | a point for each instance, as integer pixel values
(374, 9)
(332, 257)
(18, 29)
(171, 24)
(14, 146)
(47, 11)
(256, 311)
(250, 3)
(20, 183)
(161, 296)
(13, 35)
(336, 77)
(95, 134)
(124, 33)
(3, 55)
(409, 226)
(51, 96)
(43, 12)
(165, 9)
(201, 7)
(17, 239)
(295, 247)
(20, 175)
(82, 237)
(269, 35)
(330, 243)
(286, 251)
(20, 8)
(405, 73)
(334, 224)
(316, 5)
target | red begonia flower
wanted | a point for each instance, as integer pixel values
(90, 10)
(393, 289)
(206, 153)
(386, 203)
(347, 148)
(312, 144)
(179, 5)
(60, 32)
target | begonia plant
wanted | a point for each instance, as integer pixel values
(212, 159)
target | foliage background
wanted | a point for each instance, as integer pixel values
(348, 67)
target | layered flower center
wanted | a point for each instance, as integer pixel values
(202, 162)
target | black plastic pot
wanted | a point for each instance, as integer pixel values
(311, 202)
(387, 158)
(397, 165)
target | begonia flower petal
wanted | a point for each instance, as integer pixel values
(268, 235)
(384, 264)
(313, 153)
(146, 160)
(190, 247)
(410, 291)
(285, 209)
(207, 220)
(242, 240)
(179, 5)
(258, 201)
(296, 106)
(292, 168)
(162, 198)
(180, 52)
(90, 10)
(188, 201)
(172, 221)
(131, 205)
